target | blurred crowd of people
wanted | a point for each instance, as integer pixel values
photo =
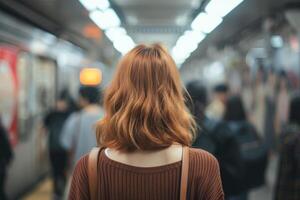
(243, 129)
(266, 98)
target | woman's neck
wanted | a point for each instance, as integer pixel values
(140, 158)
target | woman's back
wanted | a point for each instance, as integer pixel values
(121, 181)
(145, 115)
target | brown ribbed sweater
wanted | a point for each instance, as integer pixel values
(119, 181)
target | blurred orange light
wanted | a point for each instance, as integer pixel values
(90, 76)
(92, 31)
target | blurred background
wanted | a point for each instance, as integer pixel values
(52, 50)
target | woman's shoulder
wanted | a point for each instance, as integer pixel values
(204, 171)
(200, 153)
(200, 158)
(79, 186)
(82, 166)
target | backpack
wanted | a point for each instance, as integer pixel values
(228, 153)
(204, 139)
(242, 155)
(217, 138)
(254, 154)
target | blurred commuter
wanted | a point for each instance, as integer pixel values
(197, 107)
(228, 153)
(198, 95)
(259, 102)
(252, 150)
(270, 89)
(143, 132)
(216, 108)
(288, 179)
(282, 106)
(6, 156)
(53, 123)
(78, 136)
(247, 92)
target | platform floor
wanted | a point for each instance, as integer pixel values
(43, 191)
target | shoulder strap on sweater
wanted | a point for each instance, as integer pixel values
(184, 172)
(93, 172)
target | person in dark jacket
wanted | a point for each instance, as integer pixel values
(197, 104)
(53, 123)
(235, 115)
(6, 156)
(288, 179)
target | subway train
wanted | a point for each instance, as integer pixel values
(34, 67)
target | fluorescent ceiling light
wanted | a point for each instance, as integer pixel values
(179, 53)
(206, 23)
(221, 8)
(194, 36)
(115, 33)
(189, 41)
(124, 44)
(186, 47)
(94, 4)
(178, 60)
(106, 19)
(186, 44)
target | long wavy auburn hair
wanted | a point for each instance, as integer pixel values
(144, 104)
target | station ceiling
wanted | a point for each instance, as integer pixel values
(158, 20)
(144, 20)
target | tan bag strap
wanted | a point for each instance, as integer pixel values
(93, 172)
(184, 172)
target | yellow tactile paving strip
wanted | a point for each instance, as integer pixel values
(42, 192)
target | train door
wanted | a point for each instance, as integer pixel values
(43, 94)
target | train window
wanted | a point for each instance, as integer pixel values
(44, 83)
(36, 91)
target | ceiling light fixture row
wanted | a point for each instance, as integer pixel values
(203, 24)
(106, 18)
